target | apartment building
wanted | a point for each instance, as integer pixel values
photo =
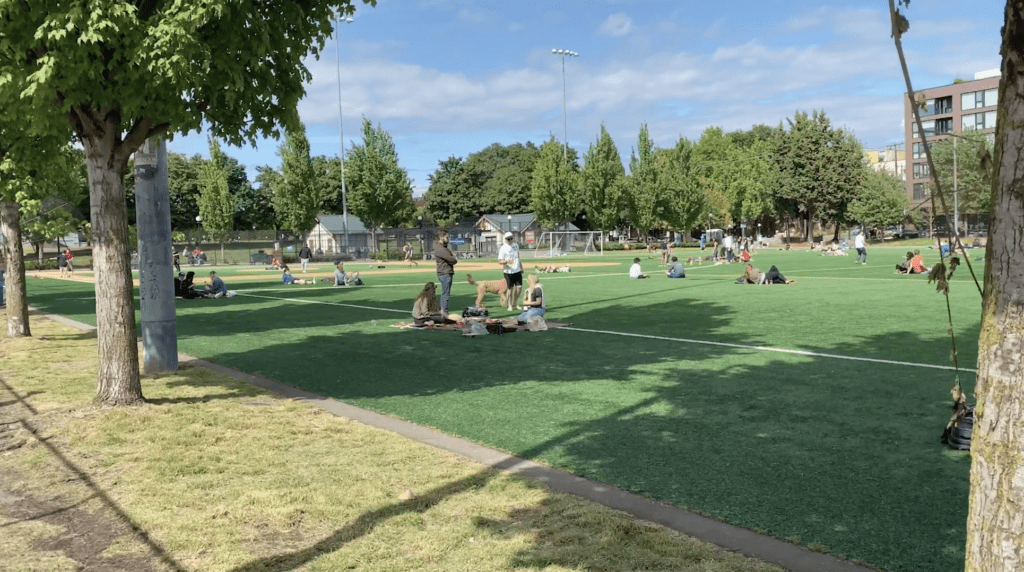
(950, 109)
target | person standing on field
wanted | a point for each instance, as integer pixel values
(304, 255)
(862, 251)
(446, 262)
(512, 266)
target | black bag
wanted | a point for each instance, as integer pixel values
(475, 312)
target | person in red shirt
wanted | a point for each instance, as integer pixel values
(68, 256)
(917, 264)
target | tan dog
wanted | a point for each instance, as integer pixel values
(498, 287)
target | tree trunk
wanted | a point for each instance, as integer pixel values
(38, 245)
(995, 521)
(119, 382)
(15, 296)
(222, 254)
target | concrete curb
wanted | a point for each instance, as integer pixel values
(766, 548)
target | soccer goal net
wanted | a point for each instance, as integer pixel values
(568, 242)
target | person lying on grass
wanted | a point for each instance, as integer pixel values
(287, 278)
(773, 276)
(751, 276)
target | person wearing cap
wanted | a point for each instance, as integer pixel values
(512, 266)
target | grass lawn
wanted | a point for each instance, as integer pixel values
(664, 387)
(216, 475)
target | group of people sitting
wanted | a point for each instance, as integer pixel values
(833, 248)
(914, 264)
(185, 288)
(427, 310)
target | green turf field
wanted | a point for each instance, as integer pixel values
(669, 388)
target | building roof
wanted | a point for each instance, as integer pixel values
(520, 221)
(335, 224)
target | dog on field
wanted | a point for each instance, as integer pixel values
(498, 287)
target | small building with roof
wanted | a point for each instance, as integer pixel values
(328, 236)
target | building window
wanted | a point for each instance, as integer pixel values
(929, 128)
(921, 171)
(978, 121)
(920, 192)
(976, 99)
(944, 125)
(919, 150)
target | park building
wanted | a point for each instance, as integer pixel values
(947, 111)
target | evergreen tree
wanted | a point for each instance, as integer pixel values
(555, 198)
(446, 199)
(216, 206)
(295, 198)
(380, 191)
(973, 180)
(639, 188)
(600, 183)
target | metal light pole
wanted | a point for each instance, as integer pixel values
(565, 117)
(341, 133)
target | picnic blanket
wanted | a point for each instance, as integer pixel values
(508, 325)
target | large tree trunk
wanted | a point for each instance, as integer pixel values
(119, 382)
(17, 301)
(995, 521)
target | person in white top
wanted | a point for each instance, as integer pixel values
(634, 271)
(862, 253)
(512, 266)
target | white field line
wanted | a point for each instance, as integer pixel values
(766, 349)
(661, 338)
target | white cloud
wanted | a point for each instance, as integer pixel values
(617, 24)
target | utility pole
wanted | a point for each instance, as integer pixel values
(156, 280)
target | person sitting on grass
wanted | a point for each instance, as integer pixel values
(904, 267)
(773, 276)
(635, 272)
(287, 278)
(426, 309)
(533, 300)
(745, 256)
(341, 278)
(217, 288)
(917, 264)
(675, 269)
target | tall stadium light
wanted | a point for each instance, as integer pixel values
(565, 117)
(341, 133)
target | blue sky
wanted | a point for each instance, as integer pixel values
(452, 77)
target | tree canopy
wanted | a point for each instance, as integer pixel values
(380, 191)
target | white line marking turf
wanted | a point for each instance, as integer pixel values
(661, 338)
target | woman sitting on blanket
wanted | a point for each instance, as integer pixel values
(904, 267)
(533, 301)
(426, 309)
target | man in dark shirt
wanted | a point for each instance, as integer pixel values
(304, 255)
(445, 268)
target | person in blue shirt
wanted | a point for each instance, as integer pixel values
(287, 278)
(216, 288)
(703, 240)
(675, 269)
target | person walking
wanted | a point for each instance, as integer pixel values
(304, 255)
(862, 252)
(512, 267)
(446, 262)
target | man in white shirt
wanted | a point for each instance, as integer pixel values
(635, 272)
(512, 266)
(858, 243)
(728, 244)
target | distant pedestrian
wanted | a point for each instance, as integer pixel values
(304, 255)
(446, 262)
(62, 264)
(176, 260)
(862, 251)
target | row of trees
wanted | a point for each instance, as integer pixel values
(809, 171)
